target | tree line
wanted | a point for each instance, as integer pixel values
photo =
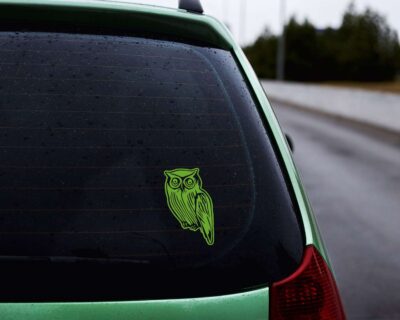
(363, 48)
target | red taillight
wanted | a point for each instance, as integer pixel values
(308, 294)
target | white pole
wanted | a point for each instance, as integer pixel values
(280, 59)
(243, 7)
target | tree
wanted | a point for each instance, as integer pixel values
(302, 53)
(369, 48)
(262, 54)
(363, 48)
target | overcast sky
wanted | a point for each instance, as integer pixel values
(262, 13)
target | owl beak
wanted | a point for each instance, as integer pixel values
(182, 187)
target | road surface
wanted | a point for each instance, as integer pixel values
(352, 177)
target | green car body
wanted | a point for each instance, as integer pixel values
(247, 305)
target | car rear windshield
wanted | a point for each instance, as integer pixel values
(135, 168)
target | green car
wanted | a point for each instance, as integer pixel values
(143, 173)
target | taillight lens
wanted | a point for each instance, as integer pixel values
(308, 294)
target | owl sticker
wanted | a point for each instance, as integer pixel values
(190, 204)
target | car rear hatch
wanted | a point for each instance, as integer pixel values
(90, 121)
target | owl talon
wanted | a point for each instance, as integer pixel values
(185, 225)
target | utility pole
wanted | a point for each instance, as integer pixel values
(225, 9)
(243, 7)
(280, 55)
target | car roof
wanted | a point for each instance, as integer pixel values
(118, 15)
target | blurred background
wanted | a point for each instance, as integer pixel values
(331, 69)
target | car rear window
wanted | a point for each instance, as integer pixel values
(135, 168)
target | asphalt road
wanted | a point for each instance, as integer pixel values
(352, 177)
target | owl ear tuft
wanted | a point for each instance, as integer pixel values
(196, 170)
(167, 173)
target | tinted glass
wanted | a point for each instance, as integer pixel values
(88, 126)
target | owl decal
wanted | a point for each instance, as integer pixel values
(190, 204)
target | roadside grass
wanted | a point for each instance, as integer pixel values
(392, 87)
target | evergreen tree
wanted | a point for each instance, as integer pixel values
(363, 48)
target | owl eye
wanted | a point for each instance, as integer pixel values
(175, 182)
(189, 183)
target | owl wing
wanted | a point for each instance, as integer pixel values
(205, 216)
